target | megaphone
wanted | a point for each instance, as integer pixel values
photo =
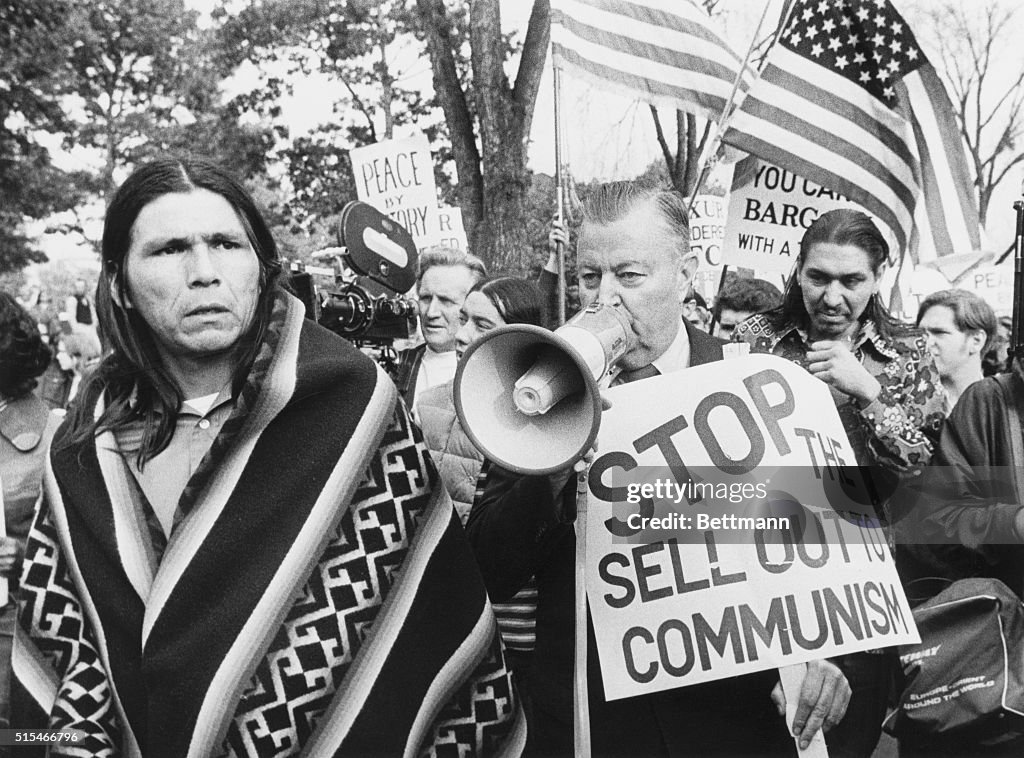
(528, 398)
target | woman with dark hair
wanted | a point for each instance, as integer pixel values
(26, 427)
(490, 304)
(885, 387)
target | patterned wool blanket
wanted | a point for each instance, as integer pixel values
(316, 596)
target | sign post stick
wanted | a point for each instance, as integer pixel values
(792, 678)
(560, 248)
(581, 711)
(716, 312)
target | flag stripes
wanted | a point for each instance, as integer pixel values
(948, 221)
(841, 140)
(659, 50)
(849, 101)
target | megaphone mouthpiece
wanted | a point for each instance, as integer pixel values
(552, 377)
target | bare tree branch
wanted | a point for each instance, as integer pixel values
(666, 151)
(456, 111)
(531, 64)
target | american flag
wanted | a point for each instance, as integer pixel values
(849, 100)
(663, 51)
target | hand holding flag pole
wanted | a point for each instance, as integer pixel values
(1016, 349)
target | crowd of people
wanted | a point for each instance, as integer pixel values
(249, 540)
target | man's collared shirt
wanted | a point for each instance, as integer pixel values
(899, 427)
(677, 357)
(435, 369)
(163, 477)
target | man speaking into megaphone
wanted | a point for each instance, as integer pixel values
(633, 256)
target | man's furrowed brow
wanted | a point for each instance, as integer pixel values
(157, 243)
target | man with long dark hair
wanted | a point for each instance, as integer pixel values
(883, 382)
(239, 542)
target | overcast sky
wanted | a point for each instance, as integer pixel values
(606, 136)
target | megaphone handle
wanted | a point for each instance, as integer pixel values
(581, 713)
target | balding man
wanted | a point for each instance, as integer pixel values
(633, 255)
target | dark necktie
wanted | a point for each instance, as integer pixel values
(636, 374)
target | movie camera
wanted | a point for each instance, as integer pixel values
(361, 297)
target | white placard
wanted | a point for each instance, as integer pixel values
(769, 211)
(993, 284)
(707, 229)
(687, 601)
(397, 178)
(453, 233)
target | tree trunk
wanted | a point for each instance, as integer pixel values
(501, 230)
(470, 187)
(493, 181)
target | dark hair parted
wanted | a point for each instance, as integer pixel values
(23, 354)
(970, 312)
(137, 386)
(843, 226)
(749, 296)
(614, 201)
(516, 300)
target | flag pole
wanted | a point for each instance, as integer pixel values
(559, 191)
(704, 160)
(707, 155)
(581, 693)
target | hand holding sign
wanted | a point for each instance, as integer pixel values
(823, 697)
(833, 363)
(690, 579)
(558, 480)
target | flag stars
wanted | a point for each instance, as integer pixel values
(823, 7)
(878, 40)
(834, 44)
(896, 47)
(882, 75)
(846, 21)
(863, 14)
(865, 77)
(853, 39)
(795, 38)
(829, 26)
(808, 13)
(889, 93)
(817, 50)
(893, 66)
(842, 62)
(897, 28)
(880, 20)
(912, 54)
(859, 59)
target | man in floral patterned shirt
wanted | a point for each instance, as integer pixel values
(884, 384)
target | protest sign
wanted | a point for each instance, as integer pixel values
(397, 178)
(769, 211)
(707, 227)
(453, 233)
(725, 533)
(993, 284)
